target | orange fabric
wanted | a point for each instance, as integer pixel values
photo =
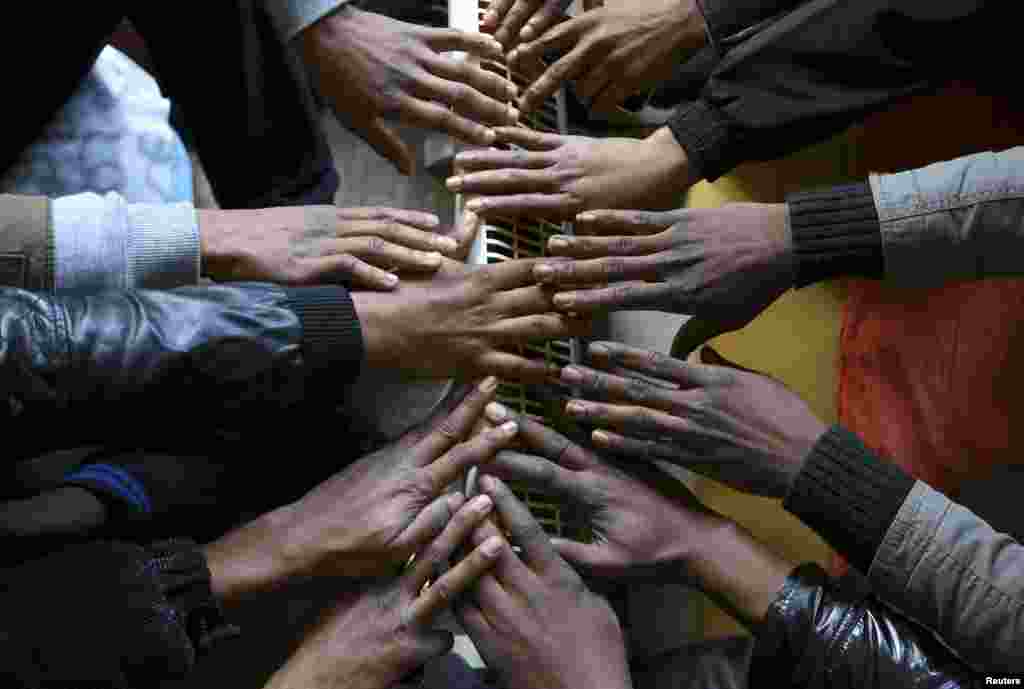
(932, 378)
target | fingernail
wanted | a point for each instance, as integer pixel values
(453, 183)
(446, 244)
(474, 205)
(482, 504)
(564, 300)
(489, 384)
(391, 279)
(572, 375)
(558, 242)
(488, 483)
(601, 438)
(527, 33)
(433, 258)
(510, 428)
(586, 217)
(513, 56)
(496, 412)
(599, 350)
(513, 114)
(489, 136)
(575, 407)
(543, 272)
(492, 546)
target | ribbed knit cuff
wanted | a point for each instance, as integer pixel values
(163, 245)
(332, 338)
(704, 133)
(183, 576)
(292, 16)
(835, 232)
(848, 495)
(112, 484)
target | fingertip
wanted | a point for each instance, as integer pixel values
(391, 281)
(489, 385)
(599, 349)
(527, 33)
(455, 502)
(497, 412)
(493, 546)
(601, 438)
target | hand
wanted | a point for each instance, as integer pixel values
(533, 619)
(512, 21)
(612, 53)
(645, 523)
(316, 244)
(459, 322)
(375, 636)
(372, 68)
(726, 264)
(559, 176)
(371, 516)
(740, 428)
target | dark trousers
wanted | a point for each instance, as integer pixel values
(243, 93)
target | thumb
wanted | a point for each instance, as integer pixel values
(385, 140)
(585, 555)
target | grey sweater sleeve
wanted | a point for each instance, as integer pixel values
(292, 16)
(104, 242)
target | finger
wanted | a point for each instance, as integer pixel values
(426, 525)
(455, 427)
(381, 253)
(549, 14)
(648, 449)
(466, 100)
(544, 441)
(610, 95)
(398, 233)
(558, 39)
(628, 419)
(495, 159)
(559, 206)
(508, 31)
(612, 388)
(523, 529)
(536, 472)
(528, 138)
(485, 82)
(527, 329)
(522, 301)
(430, 115)
(500, 277)
(512, 367)
(605, 354)
(433, 555)
(481, 45)
(402, 216)
(492, 18)
(568, 67)
(585, 555)
(633, 294)
(598, 247)
(478, 450)
(600, 271)
(594, 82)
(387, 143)
(348, 269)
(457, 580)
(606, 222)
(509, 180)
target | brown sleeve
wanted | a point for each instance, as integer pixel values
(26, 242)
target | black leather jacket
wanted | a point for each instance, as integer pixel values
(77, 369)
(836, 635)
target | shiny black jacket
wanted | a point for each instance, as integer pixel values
(836, 635)
(143, 366)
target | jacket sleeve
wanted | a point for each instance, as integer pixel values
(935, 560)
(836, 635)
(128, 616)
(961, 219)
(824, 66)
(162, 361)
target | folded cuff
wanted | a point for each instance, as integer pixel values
(292, 16)
(112, 483)
(703, 132)
(848, 495)
(163, 246)
(332, 338)
(835, 232)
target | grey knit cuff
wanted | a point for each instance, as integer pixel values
(163, 246)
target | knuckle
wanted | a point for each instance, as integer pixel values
(449, 429)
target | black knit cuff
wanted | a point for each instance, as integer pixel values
(848, 495)
(180, 571)
(835, 233)
(725, 19)
(704, 133)
(332, 339)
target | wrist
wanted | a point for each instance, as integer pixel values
(672, 156)
(326, 31)
(372, 310)
(215, 230)
(249, 559)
